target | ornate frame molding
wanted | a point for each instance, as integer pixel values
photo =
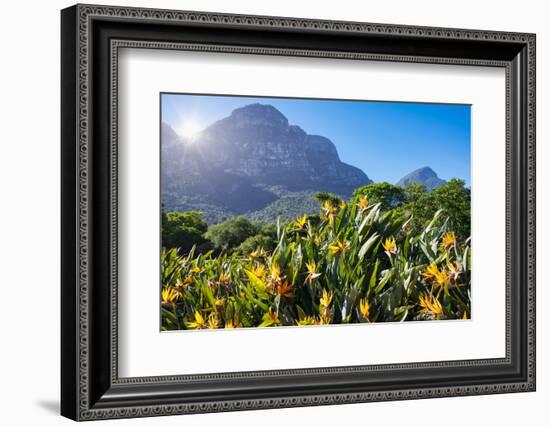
(88, 407)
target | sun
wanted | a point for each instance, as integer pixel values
(190, 129)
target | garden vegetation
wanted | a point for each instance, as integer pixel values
(386, 254)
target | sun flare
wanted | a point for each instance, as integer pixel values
(190, 129)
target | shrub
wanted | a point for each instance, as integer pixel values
(183, 230)
(231, 233)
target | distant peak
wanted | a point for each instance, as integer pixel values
(260, 112)
(424, 175)
(256, 107)
(425, 171)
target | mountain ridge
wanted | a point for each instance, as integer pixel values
(232, 165)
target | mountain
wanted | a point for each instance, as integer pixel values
(425, 176)
(247, 161)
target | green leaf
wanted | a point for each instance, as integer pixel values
(372, 281)
(301, 313)
(373, 214)
(432, 223)
(277, 302)
(254, 299)
(255, 281)
(388, 274)
(266, 323)
(367, 245)
(170, 317)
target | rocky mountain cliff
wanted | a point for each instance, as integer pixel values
(247, 161)
(425, 176)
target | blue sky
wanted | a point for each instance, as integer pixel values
(386, 140)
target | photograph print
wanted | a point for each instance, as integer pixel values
(312, 212)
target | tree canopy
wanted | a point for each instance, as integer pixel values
(232, 232)
(188, 229)
(454, 199)
(451, 197)
(183, 230)
(389, 196)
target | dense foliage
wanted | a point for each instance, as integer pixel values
(288, 206)
(399, 259)
(452, 198)
(184, 230)
(389, 196)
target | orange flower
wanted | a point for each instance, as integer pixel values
(389, 246)
(224, 278)
(430, 306)
(329, 211)
(339, 247)
(364, 307)
(213, 321)
(437, 277)
(363, 203)
(326, 299)
(301, 221)
(448, 240)
(308, 321)
(312, 273)
(284, 289)
(199, 321)
(169, 296)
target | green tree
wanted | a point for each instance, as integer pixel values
(389, 196)
(414, 192)
(256, 242)
(232, 232)
(451, 197)
(454, 199)
(420, 205)
(266, 239)
(270, 230)
(183, 230)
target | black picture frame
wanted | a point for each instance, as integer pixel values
(90, 386)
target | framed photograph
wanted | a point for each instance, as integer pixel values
(263, 212)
